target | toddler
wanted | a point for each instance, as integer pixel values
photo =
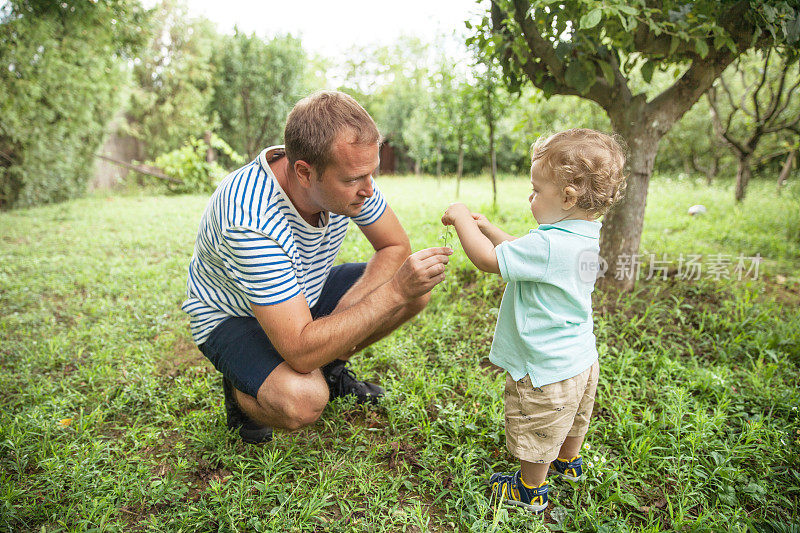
(543, 338)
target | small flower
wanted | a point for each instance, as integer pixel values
(64, 422)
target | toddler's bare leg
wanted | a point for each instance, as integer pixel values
(570, 448)
(533, 474)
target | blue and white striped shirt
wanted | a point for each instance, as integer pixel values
(254, 247)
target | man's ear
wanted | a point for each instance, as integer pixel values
(569, 198)
(304, 173)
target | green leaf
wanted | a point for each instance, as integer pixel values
(701, 47)
(673, 45)
(793, 30)
(591, 19)
(563, 50)
(548, 88)
(608, 71)
(628, 498)
(578, 78)
(647, 71)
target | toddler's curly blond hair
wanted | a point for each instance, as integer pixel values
(589, 161)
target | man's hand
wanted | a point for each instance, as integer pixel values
(454, 212)
(421, 272)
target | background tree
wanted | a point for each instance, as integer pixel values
(431, 131)
(391, 82)
(256, 83)
(494, 99)
(591, 49)
(758, 93)
(469, 130)
(63, 66)
(172, 80)
(692, 147)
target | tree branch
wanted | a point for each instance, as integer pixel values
(734, 109)
(550, 68)
(754, 94)
(775, 101)
(790, 125)
(723, 134)
(678, 98)
(789, 94)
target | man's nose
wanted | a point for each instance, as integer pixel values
(367, 190)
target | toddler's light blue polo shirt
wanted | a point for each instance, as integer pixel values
(544, 326)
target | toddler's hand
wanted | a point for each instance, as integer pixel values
(480, 219)
(455, 211)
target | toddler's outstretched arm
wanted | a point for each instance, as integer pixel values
(478, 247)
(492, 232)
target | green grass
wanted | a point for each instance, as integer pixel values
(696, 425)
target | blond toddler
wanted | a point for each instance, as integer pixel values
(544, 336)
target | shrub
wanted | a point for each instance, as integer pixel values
(189, 165)
(63, 65)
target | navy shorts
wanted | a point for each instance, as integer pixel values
(239, 348)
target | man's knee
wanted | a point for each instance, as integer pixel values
(301, 399)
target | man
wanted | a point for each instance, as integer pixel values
(266, 305)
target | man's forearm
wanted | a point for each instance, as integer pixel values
(308, 344)
(333, 336)
(380, 269)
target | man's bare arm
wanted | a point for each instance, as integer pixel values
(392, 247)
(308, 344)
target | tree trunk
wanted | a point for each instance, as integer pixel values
(711, 173)
(494, 165)
(211, 154)
(687, 166)
(438, 163)
(492, 155)
(622, 226)
(417, 168)
(743, 175)
(460, 169)
(787, 169)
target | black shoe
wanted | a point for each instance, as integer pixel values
(342, 381)
(250, 431)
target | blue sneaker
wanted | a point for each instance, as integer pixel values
(513, 491)
(571, 470)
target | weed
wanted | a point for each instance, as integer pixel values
(696, 425)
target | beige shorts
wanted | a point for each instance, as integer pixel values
(538, 419)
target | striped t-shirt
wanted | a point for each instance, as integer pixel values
(254, 247)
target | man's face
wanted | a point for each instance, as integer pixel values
(346, 183)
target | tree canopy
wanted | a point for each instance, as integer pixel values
(595, 49)
(59, 87)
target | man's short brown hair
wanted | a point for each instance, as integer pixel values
(315, 121)
(589, 161)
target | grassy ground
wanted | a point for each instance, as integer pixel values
(110, 419)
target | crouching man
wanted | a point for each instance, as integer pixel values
(266, 305)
